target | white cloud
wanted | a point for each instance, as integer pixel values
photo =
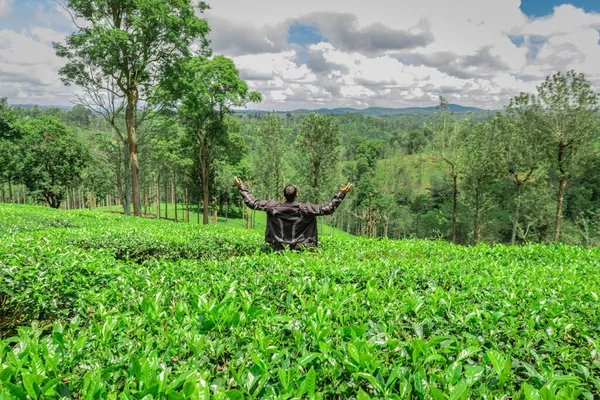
(274, 65)
(565, 19)
(5, 8)
(471, 58)
(29, 70)
(46, 35)
(393, 54)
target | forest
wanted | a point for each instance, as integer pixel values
(160, 130)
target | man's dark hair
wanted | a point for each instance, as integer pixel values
(290, 192)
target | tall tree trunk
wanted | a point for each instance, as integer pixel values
(126, 193)
(513, 236)
(174, 194)
(204, 175)
(52, 200)
(561, 189)
(3, 193)
(454, 202)
(187, 206)
(227, 212)
(132, 100)
(214, 211)
(205, 199)
(370, 226)
(158, 195)
(116, 190)
(166, 196)
(10, 191)
(385, 229)
(146, 189)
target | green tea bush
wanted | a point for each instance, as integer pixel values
(106, 306)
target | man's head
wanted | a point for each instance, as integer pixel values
(290, 192)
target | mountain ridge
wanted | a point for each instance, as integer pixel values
(372, 111)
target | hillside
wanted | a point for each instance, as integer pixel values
(374, 111)
(98, 305)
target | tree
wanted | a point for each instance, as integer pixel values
(570, 120)
(524, 147)
(80, 115)
(415, 141)
(419, 206)
(10, 133)
(319, 140)
(269, 159)
(170, 156)
(124, 49)
(448, 143)
(480, 166)
(51, 159)
(205, 91)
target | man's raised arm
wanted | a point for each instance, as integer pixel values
(249, 199)
(330, 206)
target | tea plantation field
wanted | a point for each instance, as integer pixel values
(95, 305)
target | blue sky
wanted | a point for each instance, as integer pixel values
(345, 53)
(538, 8)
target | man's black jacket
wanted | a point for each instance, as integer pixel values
(291, 223)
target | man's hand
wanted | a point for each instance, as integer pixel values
(238, 181)
(346, 189)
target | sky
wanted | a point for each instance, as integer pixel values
(347, 53)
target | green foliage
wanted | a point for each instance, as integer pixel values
(80, 115)
(121, 56)
(481, 169)
(319, 143)
(102, 306)
(569, 119)
(448, 138)
(272, 149)
(9, 135)
(134, 42)
(50, 159)
(8, 128)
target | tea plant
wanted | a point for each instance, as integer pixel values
(103, 306)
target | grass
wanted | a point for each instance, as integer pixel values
(98, 305)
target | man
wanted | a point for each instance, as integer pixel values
(289, 222)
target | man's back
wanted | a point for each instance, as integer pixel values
(290, 222)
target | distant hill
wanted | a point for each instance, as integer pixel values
(375, 111)
(30, 106)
